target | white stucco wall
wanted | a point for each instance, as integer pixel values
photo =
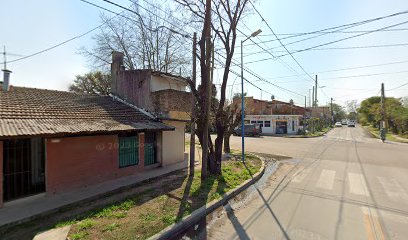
(273, 119)
(158, 83)
(173, 143)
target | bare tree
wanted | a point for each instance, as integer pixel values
(227, 15)
(233, 118)
(145, 37)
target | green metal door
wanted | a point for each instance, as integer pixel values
(150, 148)
(128, 151)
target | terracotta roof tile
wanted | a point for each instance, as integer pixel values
(30, 111)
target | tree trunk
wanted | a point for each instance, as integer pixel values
(218, 147)
(227, 148)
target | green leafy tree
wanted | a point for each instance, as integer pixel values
(395, 113)
(338, 112)
(92, 83)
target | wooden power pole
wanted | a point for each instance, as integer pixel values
(316, 91)
(208, 88)
(193, 109)
(382, 107)
(331, 111)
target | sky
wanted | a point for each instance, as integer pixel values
(32, 26)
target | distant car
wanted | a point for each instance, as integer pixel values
(249, 130)
(344, 122)
(338, 124)
(351, 124)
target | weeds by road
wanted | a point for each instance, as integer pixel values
(162, 202)
(391, 137)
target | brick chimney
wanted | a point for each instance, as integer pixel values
(6, 79)
(116, 68)
(132, 86)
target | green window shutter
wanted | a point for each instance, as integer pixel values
(128, 151)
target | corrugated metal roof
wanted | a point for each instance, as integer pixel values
(30, 111)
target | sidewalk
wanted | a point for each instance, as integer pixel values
(30, 208)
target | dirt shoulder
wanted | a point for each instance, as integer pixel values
(146, 209)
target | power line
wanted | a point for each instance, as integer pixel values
(264, 80)
(267, 24)
(398, 87)
(57, 45)
(247, 70)
(339, 31)
(328, 43)
(365, 75)
(350, 25)
(131, 19)
(344, 48)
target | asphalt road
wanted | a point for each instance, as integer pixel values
(345, 185)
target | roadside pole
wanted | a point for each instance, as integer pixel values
(331, 111)
(383, 126)
(208, 87)
(193, 110)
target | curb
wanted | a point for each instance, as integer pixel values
(377, 136)
(64, 208)
(203, 211)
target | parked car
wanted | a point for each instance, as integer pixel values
(338, 124)
(344, 122)
(249, 130)
(351, 124)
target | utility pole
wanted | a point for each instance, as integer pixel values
(4, 57)
(382, 103)
(331, 110)
(305, 103)
(313, 101)
(382, 125)
(316, 91)
(310, 100)
(193, 109)
(208, 87)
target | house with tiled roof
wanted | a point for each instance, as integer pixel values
(55, 141)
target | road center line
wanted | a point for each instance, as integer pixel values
(372, 224)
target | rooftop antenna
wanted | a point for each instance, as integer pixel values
(4, 57)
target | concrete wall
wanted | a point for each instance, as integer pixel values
(1, 174)
(173, 143)
(158, 83)
(82, 161)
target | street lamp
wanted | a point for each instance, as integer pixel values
(242, 92)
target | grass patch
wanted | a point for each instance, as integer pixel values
(79, 235)
(318, 133)
(389, 136)
(111, 227)
(167, 201)
(86, 224)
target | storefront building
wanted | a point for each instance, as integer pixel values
(276, 124)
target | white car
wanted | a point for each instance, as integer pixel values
(338, 124)
(351, 124)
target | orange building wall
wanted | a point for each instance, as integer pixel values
(82, 161)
